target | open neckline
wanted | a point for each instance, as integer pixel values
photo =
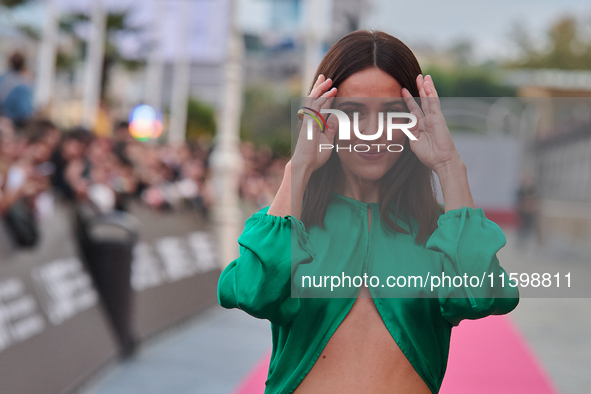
(355, 202)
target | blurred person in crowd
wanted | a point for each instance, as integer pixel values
(25, 168)
(172, 176)
(124, 184)
(97, 179)
(528, 208)
(93, 172)
(121, 137)
(6, 127)
(27, 159)
(71, 164)
(194, 186)
(16, 101)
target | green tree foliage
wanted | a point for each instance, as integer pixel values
(468, 81)
(567, 46)
(266, 120)
(13, 3)
(117, 24)
(200, 120)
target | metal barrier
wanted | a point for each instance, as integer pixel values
(174, 271)
(56, 330)
(53, 330)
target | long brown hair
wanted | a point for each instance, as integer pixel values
(408, 185)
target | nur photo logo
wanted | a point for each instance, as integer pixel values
(344, 129)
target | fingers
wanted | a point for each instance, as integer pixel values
(320, 97)
(331, 121)
(422, 93)
(430, 86)
(326, 99)
(333, 125)
(412, 104)
(320, 93)
(414, 109)
(432, 94)
(321, 78)
(320, 86)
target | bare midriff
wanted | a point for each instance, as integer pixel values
(362, 357)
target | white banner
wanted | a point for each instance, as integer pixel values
(207, 37)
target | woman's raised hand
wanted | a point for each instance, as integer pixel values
(434, 146)
(307, 156)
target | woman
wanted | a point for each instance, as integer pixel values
(372, 213)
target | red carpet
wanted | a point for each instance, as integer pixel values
(487, 356)
(255, 381)
(490, 356)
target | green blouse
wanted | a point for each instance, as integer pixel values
(260, 282)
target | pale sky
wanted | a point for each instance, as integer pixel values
(441, 22)
(416, 22)
(487, 23)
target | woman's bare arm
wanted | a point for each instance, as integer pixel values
(290, 196)
(453, 178)
(434, 145)
(306, 158)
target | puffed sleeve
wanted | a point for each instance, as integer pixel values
(259, 280)
(469, 242)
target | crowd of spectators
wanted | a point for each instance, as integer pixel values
(41, 162)
(107, 171)
(262, 174)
